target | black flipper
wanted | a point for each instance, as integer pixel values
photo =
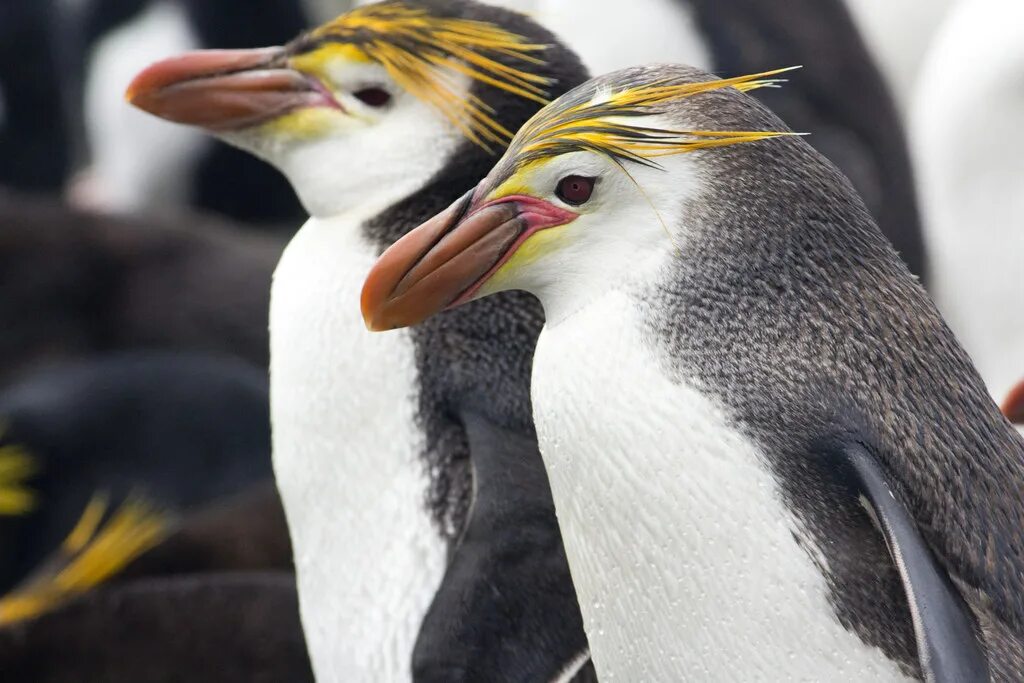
(506, 609)
(947, 640)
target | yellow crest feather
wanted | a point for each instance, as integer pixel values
(16, 466)
(91, 554)
(599, 124)
(422, 52)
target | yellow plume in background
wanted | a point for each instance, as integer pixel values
(16, 466)
(98, 548)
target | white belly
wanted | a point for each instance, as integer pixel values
(680, 548)
(346, 448)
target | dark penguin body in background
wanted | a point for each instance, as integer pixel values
(180, 431)
(35, 142)
(224, 180)
(223, 628)
(839, 97)
(74, 284)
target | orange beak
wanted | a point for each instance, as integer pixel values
(1013, 406)
(226, 90)
(443, 263)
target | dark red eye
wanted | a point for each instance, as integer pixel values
(575, 189)
(375, 97)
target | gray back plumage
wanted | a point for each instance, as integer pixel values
(790, 307)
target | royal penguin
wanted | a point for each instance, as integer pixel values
(436, 557)
(770, 458)
(841, 97)
(973, 192)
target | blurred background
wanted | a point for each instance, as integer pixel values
(136, 255)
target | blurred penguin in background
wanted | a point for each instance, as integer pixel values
(217, 628)
(179, 431)
(75, 284)
(129, 162)
(899, 33)
(966, 118)
(841, 98)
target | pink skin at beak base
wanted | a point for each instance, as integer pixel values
(444, 262)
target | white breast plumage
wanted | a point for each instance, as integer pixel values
(346, 449)
(681, 550)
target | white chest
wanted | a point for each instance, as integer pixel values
(346, 449)
(681, 551)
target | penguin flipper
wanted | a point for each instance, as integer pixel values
(506, 608)
(947, 641)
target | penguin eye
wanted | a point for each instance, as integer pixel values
(374, 97)
(575, 189)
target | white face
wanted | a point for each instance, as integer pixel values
(379, 144)
(627, 226)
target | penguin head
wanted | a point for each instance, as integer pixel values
(601, 184)
(382, 96)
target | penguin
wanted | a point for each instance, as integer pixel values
(223, 628)
(180, 432)
(99, 41)
(416, 561)
(76, 284)
(769, 456)
(841, 97)
(972, 192)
